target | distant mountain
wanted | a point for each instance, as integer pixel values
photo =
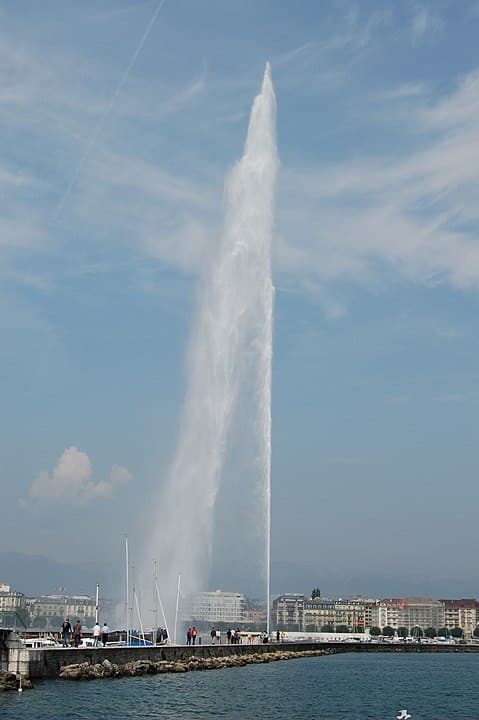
(38, 575)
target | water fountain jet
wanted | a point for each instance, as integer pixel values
(230, 346)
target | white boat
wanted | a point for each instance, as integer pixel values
(40, 642)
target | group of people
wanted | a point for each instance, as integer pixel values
(161, 636)
(233, 637)
(191, 635)
(100, 634)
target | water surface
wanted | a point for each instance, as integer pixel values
(341, 687)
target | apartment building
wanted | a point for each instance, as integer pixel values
(288, 611)
(410, 612)
(462, 614)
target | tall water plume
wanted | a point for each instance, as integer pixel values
(230, 353)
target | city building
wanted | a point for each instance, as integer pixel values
(254, 617)
(410, 613)
(11, 600)
(369, 609)
(321, 615)
(288, 611)
(462, 614)
(49, 611)
(215, 607)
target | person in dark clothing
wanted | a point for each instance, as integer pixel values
(66, 630)
(105, 631)
(77, 634)
(188, 636)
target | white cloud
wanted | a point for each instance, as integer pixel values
(71, 482)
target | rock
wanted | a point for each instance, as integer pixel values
(109, 669)
(10, 681)
(76, 671)
(183, 663)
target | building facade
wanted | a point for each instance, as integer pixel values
(410, 613)
(49, 611)
(11, 600)
(462, 614)
(215, 607)
(321, 615)
(288, 611)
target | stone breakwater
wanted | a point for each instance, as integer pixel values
(13, 681)
(107, 669)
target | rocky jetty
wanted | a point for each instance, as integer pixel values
(107, 669)
(12, 681)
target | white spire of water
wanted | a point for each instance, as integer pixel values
(231, 341)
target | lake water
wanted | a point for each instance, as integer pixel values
(342, 687)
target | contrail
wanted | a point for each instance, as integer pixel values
(99, 126)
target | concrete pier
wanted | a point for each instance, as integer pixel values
(48, 662)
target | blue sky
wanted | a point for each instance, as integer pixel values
(110, 205)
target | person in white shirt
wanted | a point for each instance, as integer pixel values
(96, 634)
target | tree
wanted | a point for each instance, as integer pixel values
(456, 632)
(327, 628)
(374, 631)
(24, 616)
(40, 622)
(315, 593)
(388, 631)
(443, 632)
(403, 632)
(417, 631)
(342, 628)
(430, 632)
(476, 631)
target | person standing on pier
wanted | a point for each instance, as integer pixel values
(105, 631)
(66, 630)
(77, 633)
(194, 633)
(188, 636)
(96, 634)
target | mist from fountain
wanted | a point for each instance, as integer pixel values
(230, 350)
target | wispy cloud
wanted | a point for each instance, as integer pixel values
(409, 211)
(424, 23)
(406, 90)
(452, 398)
(413, 212)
